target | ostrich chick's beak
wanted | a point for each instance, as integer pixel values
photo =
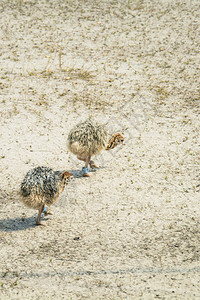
(67, 175)
(70, 177)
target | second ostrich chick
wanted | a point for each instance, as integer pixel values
(89, 138)
(42, 186)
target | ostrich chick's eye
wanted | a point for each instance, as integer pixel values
(122, 141)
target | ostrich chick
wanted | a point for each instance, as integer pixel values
(89, 138)
(42, 186)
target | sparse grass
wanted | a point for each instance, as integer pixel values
(160, 91)
(70, 74)
(10, 112)
(192, 98)
(44, 73)
(73, 73)
(90, 102)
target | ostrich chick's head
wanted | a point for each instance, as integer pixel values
(66, 176)
(116, 139)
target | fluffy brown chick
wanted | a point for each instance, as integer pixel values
(89, 138)
(42, 186)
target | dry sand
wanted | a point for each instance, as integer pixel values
(132, 230)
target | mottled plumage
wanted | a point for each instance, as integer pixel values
(42, 186)
(88, 138)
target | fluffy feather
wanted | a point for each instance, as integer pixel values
(42, 186)
(89, 138)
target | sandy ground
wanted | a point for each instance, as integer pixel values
(132, 230)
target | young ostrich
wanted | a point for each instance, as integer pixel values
(89, 138)
(42, 186)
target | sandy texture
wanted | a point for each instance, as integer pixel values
(132, 230)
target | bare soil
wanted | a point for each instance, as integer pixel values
(131, 230)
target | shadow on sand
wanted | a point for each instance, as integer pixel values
(17, 224)
(78, 173)
(23, 223)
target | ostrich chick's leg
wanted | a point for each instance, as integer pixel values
(80, 158)
(47, 211)
(38, 222)
(93, 165)
(85, 169)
